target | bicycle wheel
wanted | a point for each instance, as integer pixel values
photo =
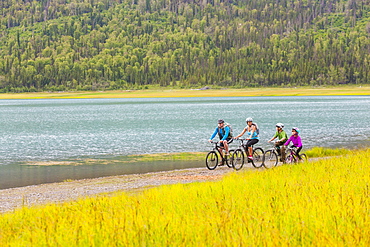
(257, 161)
(238, 159)
(211, 160)
(229, 158)
(303, 158)
(270, 159)
(290, 159)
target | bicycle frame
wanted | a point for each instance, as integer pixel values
(238, 156)
(273, 148)
(217, 148)
(270, 157)
(212, 156)
(292, 156)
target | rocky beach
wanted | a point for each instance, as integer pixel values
(14, 198)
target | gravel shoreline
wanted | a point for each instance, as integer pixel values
(11, 199)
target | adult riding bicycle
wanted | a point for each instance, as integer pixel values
(214, 155)
(238, 156)
(292, 156)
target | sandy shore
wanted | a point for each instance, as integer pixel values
(14, 198)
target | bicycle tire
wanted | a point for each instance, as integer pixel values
(270, 159)
(229, 159)
(238, 159)
(257, 161)
(303, 157)
(290, 159)
(211, 160)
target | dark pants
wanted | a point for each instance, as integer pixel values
(297, 152)
(249, 143)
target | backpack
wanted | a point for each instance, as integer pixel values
(257, 129)
(230, 132)
(231, 129)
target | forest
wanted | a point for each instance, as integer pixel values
(59, 45)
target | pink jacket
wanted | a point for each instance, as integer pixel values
(296, 140)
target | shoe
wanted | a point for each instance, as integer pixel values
(221, 164)
(250, 157)
(227, 154)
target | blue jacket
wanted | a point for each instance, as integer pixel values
(223, 133)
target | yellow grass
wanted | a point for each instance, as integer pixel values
(325, 152)
(326, 203)
(300, 91)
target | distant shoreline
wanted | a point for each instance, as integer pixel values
(166, 92)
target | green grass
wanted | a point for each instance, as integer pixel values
(323, 203)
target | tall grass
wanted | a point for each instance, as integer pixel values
(325, 152)
(324, 203)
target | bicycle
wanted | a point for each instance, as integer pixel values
(213, 157)
(292, 156)
(238, 156)
(271, 157)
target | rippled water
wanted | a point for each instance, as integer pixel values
(34, 130)
(79, 129)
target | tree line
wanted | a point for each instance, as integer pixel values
(59, 45)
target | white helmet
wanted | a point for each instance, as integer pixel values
(249, 119)
(280, 125)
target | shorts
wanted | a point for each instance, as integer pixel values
(250, 142)
(229, 140)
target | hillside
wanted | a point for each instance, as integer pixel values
(57, 45)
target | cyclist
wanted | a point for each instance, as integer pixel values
(252, 132)
(282, 138)
(225, 136)
(296, 141)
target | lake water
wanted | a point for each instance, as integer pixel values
(67, 129)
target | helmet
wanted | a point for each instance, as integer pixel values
(280, 125)
(249, 119)
(220, 121)
(296, 129)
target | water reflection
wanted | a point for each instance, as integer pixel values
(17, 175)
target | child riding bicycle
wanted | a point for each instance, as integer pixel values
(282, 138)
(296, 141)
